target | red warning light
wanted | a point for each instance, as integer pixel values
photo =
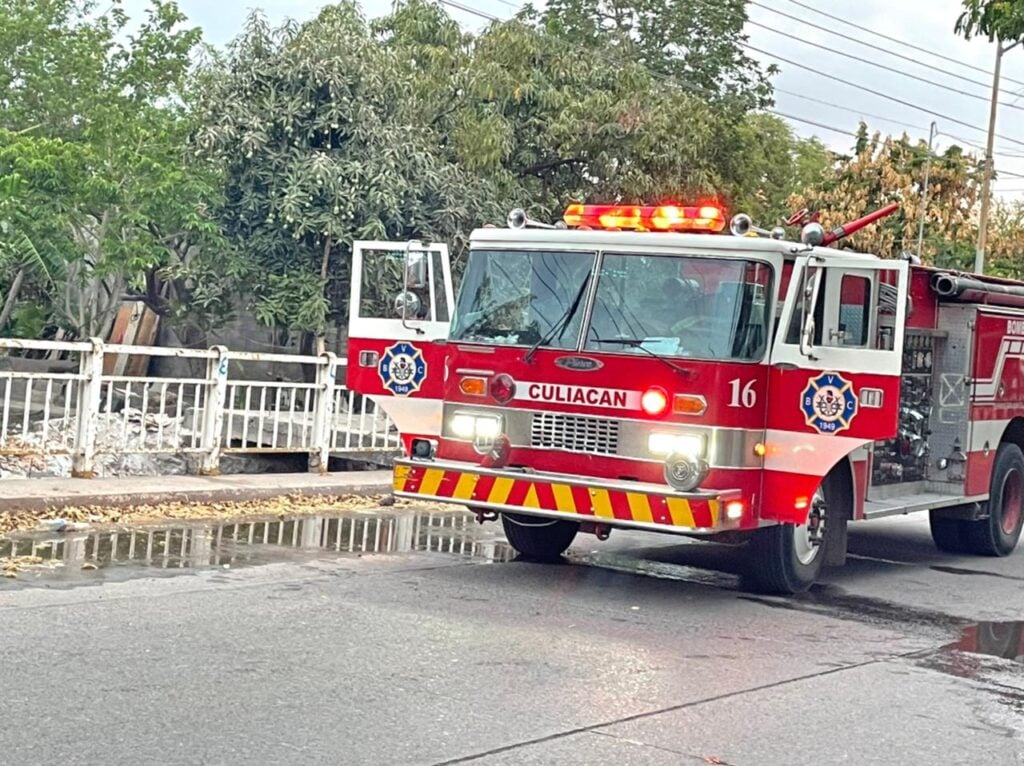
(654, 401)
(693, 218)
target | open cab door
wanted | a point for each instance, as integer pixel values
(836, 367)
(400, 309)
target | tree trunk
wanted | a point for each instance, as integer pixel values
(321, 342)
(12, 299)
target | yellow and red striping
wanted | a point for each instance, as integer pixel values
(531, 493)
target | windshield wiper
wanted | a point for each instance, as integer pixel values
(639, 343)
(561, 323)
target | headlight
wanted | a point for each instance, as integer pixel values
(483, 430)
(687, 445)
(464, 426)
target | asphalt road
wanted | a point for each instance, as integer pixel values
(212, 645)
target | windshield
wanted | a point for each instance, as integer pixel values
(708, 308)
(669, 305)
(521, 297)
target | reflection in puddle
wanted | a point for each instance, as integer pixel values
(219, 544)
(967, 656)
(996, 639)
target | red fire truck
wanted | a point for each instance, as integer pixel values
(638, 368)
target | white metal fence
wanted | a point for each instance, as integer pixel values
(71, 406)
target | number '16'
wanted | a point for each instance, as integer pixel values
(742, 397)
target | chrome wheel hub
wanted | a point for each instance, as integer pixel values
(807, 538)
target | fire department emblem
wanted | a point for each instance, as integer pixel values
(402, 369)
(829, 403)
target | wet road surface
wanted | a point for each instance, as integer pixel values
(400, 637)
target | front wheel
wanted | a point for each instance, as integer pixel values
(538, 539)
(787, 558)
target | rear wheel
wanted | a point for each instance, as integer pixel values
(997, 535)
(787, 558)
(536, 538)
(947, 533)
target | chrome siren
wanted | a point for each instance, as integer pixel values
(742, 225)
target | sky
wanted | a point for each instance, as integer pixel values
(959, 117)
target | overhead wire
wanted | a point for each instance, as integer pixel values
(874, 92)
(855, 40)
(693, 87)
(912, 46)
(883, 67)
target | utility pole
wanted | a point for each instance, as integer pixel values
(986, 187)
(924, 194)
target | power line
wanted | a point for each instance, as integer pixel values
(884, 67)
(698, 89)
(921, 49)
(880, 94)
(687, 86)
(886, 51)
(811, 122)
(849, 109)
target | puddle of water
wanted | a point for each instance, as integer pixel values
(971, 655)
(1004, 640)
(195, 545)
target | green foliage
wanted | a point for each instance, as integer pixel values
(325, 142)
(97, 123)
(691, 41)
(995, 19)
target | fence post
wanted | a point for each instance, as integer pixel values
(90, 393)
(323, 412)
(213, 412)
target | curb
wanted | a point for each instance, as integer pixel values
(57, 501)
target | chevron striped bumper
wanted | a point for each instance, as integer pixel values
(617, 504)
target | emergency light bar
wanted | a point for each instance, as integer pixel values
(707, 218)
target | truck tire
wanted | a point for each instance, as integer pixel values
(948, 534)
(998, 533)
(536, 538)
(783, 560)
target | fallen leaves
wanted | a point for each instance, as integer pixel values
(11, 565)
(287, 505)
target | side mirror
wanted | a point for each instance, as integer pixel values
(409, 304)
(415, 268)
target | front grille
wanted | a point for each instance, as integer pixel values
(597, 436)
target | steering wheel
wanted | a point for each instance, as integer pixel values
(701, 323)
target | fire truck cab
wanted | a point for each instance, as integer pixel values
(635, 368)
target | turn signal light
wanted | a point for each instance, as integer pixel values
(473, 386)
(689, 404)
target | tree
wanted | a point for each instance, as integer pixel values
(1001, 20)
(695, 42)
(884, 170)
(324, 142)
(132, 207)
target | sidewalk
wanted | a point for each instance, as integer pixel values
(45, 494)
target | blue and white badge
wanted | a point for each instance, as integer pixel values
(829, 403)
(402, 369)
